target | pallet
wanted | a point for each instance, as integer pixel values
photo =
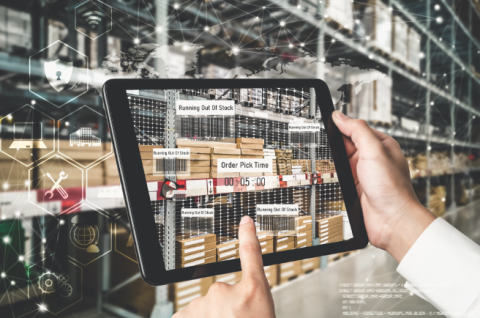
(381, 123)
(381, 52)
(338, 26)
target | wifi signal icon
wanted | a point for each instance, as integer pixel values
(93, 18)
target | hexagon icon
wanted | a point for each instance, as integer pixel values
(58, 73)
(27, 135)
(123, 239)
(56, 287)
(83, 137)
(89, 234)
(93, 19)
(56, 185)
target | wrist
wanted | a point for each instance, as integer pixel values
(407, 229)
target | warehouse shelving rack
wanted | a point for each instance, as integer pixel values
(430, 91)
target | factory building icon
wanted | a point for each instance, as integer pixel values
(83, 137)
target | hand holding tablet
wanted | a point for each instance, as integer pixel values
(195, 156)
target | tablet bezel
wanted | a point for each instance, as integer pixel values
(147, 246)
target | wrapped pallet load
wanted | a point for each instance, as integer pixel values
(341, 12)
(378, 17)
(413, 55)
(371, 97)
(399, 39)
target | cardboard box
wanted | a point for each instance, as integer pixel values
(267, 243)
(334, 239)
(225, 151)
(252, 152)
(205, 144)
(250, 146)
(200, 169)
(284, 247)
(192, 176)
(204, 150)
(195, 249)
(310, 264)
(224, 174)
(302, 235)
(271, 272)
(226, 243)
(250, 141)
(206, 260)
(187, 242)
(301, 242)
(182, 260)
(304, 227)
(288, 271)
(267, 249)
(219, 156)
(199, 163)
(284, 240)
(227, 254)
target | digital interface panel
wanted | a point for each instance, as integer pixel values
(211, 156)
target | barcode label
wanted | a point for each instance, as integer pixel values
(197, 225)
(277, 224)
(171, 166)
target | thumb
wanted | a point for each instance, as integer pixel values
(250, 254)
(358, 130)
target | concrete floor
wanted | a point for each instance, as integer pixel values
(319, 294)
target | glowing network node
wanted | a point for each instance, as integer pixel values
(175, 6)
(33, 102)
(290, 45)
(421, 55)
(370, 56)
(302, 44)
(3, 275)
(439, 19)
(136, 41)
(42, 307)
(235, 50)
(333, 41)
(21, 258)
(367, 38)
(159, 29)
(282, 23)
(6, 240)
(437, 7)
(12, 282)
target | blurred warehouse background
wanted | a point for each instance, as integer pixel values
(409, 68)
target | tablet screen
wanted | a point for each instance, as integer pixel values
(211, 156)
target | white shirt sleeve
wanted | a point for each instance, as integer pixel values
(443, 267)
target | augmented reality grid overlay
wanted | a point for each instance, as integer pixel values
(227, 153)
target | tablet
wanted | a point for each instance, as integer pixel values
(194, 156)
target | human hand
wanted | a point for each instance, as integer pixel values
(251, 297)
(394, 218)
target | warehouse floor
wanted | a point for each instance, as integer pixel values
(318, 294)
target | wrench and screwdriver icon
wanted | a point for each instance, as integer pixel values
(57, 186)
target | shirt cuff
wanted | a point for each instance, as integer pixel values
(443, 266)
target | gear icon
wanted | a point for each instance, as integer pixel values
(48, 283)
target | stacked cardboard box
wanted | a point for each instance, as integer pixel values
(286, 103)
(377, 16)
(270, 154)
(289, 271)
(329, 228)
(341, 12)
(303, 227)
(414, 49)
(272, 100)
(267, 244)
(310, 264)
(181, 294)
(227, 249)
(223, 153)
(301, 196)
(146, 153)
(230, 278)
(284, 243)
(271, 272)
(250, 148)
(284, 161)
(203, 157)
(304, 164)
(192, 250)
(325, 166)
(399, 39)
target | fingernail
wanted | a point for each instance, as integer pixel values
(246, 219)
(339, 115)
